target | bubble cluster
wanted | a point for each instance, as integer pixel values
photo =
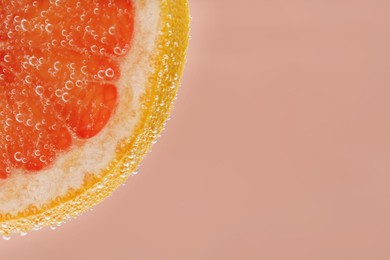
(59, 63)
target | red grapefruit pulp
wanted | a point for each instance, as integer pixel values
(59, 64)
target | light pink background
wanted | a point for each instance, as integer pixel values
(278, 148)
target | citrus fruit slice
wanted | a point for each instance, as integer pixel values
(86, 87)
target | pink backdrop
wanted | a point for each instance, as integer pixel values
(278, 147)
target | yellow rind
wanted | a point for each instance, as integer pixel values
(168, 63)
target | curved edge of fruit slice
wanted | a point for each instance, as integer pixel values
(156, 105)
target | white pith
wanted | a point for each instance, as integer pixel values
(21, 190)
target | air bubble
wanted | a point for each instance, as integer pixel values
(111, 30)
(101, 74)
(23, 24)
(57, 65)
(39, 90)
(69, 85)
(33, 61)
(79, 83)
(84, 69)
(43, 158)
(19, 118)
(66, 97)
(18, 156)
(58, 93)
(118, 51)
(110, 73)
(8, 121)
(94, 48)
(7, 58)
(27, 79)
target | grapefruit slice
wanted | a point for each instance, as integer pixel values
(86, 87)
